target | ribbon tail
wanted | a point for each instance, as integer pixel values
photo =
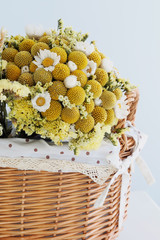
(146, 172)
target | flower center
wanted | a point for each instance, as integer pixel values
(119, 105)
(40, 101)
(47, 62)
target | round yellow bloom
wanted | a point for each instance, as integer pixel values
(57, 89)
(95, 57)
(118, 93)
(45, 39)
(61, 71)
(60, 52)
(70, 115)
(37, 46)
(32, 67)
(99, 114)
(26, 45)
(43, 76)
(81, 77)
(8, 54)
(110, 117)
(12, 72)
(108, 99)
(101, 76)
(79, 58)
(76, 95)
(96, 88)
(23, 58)
(53, 112)
(26, 79)
(85, 125)
(89, 106)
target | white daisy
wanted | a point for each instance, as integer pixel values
(90, 69)
(121, 108)
(46, 59)
(41, 101)
(36, 31)
(85, 47)
(71, 81)
(72, 66)
(107, 65)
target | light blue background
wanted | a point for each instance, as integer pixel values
(127, 31)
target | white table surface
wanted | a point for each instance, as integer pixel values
(143, 222)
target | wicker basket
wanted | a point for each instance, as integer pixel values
(59, 206)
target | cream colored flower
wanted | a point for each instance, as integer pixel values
(107, 65)
(24, 69)
(47, 60)
(4, 64)
(90, 69)
(85, 47)
(71, 81)
(72, 66)
(41, 101)
(36, 31)
(97, 101)
(121, 108)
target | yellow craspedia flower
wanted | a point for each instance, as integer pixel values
(26, 79)
(26, 45)
(23, 58)
(60, 52)
(79, 58)
(96, 88)
(70, 115)
(37, 46)
(12, 72)
(118, 93)
(81, 77)
(101, 76)
(43, 76)
(85, 125)
(99, 114)
(32, 67)
(76, 95)
(8, 54)
(108, 99)
(110, 117)
(45, 39)
(89, 106)
(53, 112)
(57, 89)
(94, 56)
(61, 71)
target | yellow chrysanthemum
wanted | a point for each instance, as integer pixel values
(99, 114)
(23, 58)
(26, 79)
(26, 45)
(101, 76)
(118, 93)
(81, 77)
(53, 112)
(12, 72)
(43, 76)
(60, 52)
(95, 57)
(61, 71)
(32, 67)
(70, 115)
(8, 54)
(108, 99)
(89, 106)
(85, 125)
(96, 88)
(37, 46)
(76, 95)
(57, 89)
(110, 117)
(45, 39)
(79, 58)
